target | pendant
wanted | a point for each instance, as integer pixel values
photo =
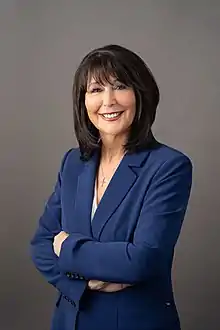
(103, 182)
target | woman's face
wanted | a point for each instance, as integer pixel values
(111, 107)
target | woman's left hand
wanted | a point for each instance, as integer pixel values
(58, 241)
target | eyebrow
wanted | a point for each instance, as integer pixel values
(96, 82)
(92, 83)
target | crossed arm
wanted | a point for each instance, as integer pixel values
(42, 252)
(55, 253)
(92, 284)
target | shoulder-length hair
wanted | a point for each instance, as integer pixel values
(127, 67)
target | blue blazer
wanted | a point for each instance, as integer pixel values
(130, 240)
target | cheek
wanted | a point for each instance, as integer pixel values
(128, 100)
(131, 106)
(92, 104)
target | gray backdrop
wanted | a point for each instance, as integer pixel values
(42, 43)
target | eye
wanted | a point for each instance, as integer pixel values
(95, 90)
(120, 87)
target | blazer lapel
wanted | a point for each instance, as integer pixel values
(84, 196)
(122, 181)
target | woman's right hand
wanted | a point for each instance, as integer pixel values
(96, 285)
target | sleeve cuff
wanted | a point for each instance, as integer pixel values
(72, 289)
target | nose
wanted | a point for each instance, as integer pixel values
(109, 97)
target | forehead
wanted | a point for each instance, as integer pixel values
(94, 80)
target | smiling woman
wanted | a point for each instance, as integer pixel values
(114, 83)
(106, 238)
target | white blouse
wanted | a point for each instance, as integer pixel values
(94, 204)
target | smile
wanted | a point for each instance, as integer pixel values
(111, 116)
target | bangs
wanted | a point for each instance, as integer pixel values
(102, 68)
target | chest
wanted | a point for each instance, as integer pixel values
(119, 202)
(115, 217)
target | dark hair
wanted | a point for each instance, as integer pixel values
(129, 69)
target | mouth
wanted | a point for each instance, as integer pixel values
(111, 116)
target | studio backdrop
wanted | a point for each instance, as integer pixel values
(42, 43)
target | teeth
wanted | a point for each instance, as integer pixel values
(112, 115)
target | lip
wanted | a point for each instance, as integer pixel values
(109, 113)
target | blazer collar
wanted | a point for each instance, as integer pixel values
(119, 186)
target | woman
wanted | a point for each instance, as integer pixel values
(107, 235)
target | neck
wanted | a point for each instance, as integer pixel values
(112, 148)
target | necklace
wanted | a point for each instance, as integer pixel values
(104, 179)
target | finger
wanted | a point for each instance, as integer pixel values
(114, 287)
(93, 283)
(96, 285)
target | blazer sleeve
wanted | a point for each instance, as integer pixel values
(154, 238)
(42, 252)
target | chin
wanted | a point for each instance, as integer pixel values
(111, 132)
